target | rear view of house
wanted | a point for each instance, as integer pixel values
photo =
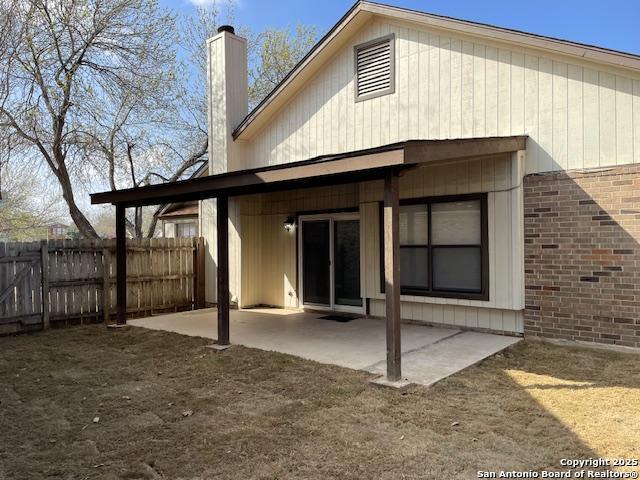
(492, 174)
(541, 240)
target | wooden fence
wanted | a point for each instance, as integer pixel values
(73, 281)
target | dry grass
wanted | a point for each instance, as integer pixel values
(266, 415)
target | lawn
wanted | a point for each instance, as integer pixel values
(85, 402)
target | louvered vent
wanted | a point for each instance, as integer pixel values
(374, 68)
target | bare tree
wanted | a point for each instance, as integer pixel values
(159, 135)
(63, 55)
(95, 89)
(141, 139)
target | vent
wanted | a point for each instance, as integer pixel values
(374, 62)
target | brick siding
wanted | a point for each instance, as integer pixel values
(582, 255)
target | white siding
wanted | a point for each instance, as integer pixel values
(577, 114)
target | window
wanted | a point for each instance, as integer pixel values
(186, 229)
(443, 247)
(375, 68)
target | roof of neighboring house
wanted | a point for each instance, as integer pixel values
(175, 210)
(191, 208)
(362, 11)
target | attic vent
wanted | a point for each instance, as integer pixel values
(374, 65)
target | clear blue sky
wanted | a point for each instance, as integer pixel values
(610, 23)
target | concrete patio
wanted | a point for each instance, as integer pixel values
(429, 354)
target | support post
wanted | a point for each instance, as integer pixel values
(199, 273)
(121, 266)
(392, 274)
(222, 229)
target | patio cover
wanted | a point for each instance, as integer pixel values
(385, 162)
(323, 170)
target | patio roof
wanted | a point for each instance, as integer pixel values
(336, 169)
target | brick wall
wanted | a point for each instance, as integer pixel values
(582, 255)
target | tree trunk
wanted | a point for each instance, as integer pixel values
(152, 227)
(82, 223)
(84, 226)
(138, 220)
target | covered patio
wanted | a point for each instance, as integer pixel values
(429, 354)
(387, 163)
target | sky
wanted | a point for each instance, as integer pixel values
(612, 24)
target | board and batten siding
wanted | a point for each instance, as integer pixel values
(207, 226)
(268, 259)
(268, 256)
(501, 178)
(577, 114)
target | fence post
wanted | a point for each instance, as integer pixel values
(44, 278)
(106, 284)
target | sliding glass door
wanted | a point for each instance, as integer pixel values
(346, 263)
(329, 262)
(316, 263)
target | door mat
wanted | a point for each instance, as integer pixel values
(340, 318)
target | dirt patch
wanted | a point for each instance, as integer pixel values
(167, 408)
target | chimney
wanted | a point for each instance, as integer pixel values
(228, 97)
(228, 104)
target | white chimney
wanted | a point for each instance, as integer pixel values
(228, 97)
(228, 105)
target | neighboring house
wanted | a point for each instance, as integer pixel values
(57, 231)
(181, 219)
(516, 158)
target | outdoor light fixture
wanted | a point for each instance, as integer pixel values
(290, 224)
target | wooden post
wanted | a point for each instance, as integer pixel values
(44, 266)
(198, 273)
(223, 269)
(121, 266)
(392, 274)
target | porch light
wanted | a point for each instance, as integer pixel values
(290, 224)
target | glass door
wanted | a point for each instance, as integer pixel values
(346, 265)
(316, 262)
(329, 272)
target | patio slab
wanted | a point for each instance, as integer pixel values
(428, 353)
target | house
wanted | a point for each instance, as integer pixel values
(178, 220)
(429, 169)
(57, 231)
(181, 219)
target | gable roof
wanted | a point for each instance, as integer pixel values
(363, 10)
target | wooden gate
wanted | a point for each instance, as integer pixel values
(21, 281)
(73, 281)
